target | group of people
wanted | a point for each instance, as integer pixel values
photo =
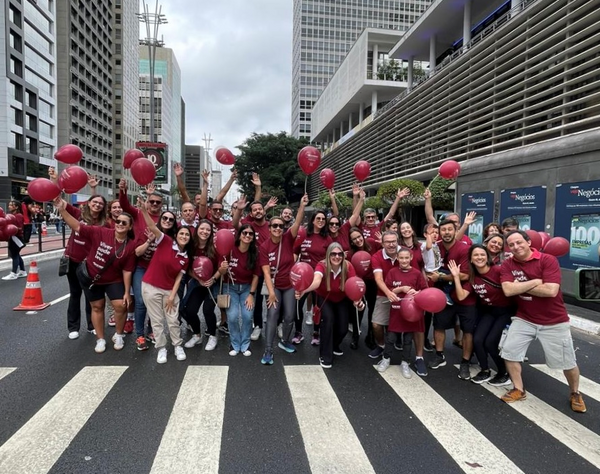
(500, 295)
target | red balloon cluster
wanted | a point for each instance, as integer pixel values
(535, 238)
(69, 154)
(224, 156)
(301, 276)
(143, 171)
(361, 261)
(327, 178)
(72, 179)
(203, 268)
(432, 300)
(309, 159)
(411, 311)
(557, 246)
(355, 288)
(449, 169)
(130, 156)
(42, 190)
(224, 241)
(7, 226)
(362, 170)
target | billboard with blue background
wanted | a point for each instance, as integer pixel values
(483, 205)
(526, 205)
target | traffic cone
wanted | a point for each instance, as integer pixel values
(32, 297)
(44, 229)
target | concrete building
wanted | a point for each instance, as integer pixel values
(323, 33)
(28, 117)
(194, 162)
(84, 33)
(125, 64)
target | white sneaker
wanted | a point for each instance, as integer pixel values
(247, 353)
(405, 369)
(161, 358)
(119, 340)
(256, 332)
(194, 341)
(100, 346)
(233, 352)
(10, 276)
(280, 331)
(211, 344)
(383, 364)
(73, 334)
(22, 274)
(179, 353)
(308, 318)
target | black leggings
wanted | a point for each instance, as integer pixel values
(334, 325)
(74, 308)
(258, 304)
(491, 323)
(197, 296)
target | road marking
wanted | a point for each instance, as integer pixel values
(331, 442)
(472, 451)
(4, 371)
(192, 438)
(42, 440)
(58, 300)
(576, 437)
(587, 386)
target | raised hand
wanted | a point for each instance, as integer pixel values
(427, 193)
(93, 181)
(177, 169)
(454, 268)
(205, 175)
(150, 188)
(255, 179)
(402, 193)
(271, 203)
(470, 217)
(123, 185)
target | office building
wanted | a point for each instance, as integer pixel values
(194, 162)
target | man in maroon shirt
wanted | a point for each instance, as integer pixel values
(534, 278)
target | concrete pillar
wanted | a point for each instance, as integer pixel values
(432, 54)
(361, 117)
(467, 24)
(350, 126)
(515, 4)
(329, 140)
(373, 102)
(411, 62)
(341, 129)
(375, 60)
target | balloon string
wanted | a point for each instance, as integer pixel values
(305, 183)
(357, 322)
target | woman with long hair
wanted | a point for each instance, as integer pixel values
(114, 210)
(276, 261)
(495, 246)
(14, 249)
(495, 312)
(491, 229)
(329, 283)
(109, 264)
(408, 240)
(240, 283)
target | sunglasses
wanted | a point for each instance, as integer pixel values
(248, 234)
(217, 209)
(121, 222)
(337, 254)
(369, 217)
(154, 202)
(337, 224)
(167, 219)
(276, 226)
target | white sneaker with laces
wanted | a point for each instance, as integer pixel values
(161, 358)
(247, 353)
(233, 352)
(211, 344)
(308, 318)
(22, 274)
(194, 341)
(256, 332)
(100, 346)
(73, 334)
(10, 276)
(119, 340)
(405, 369)
(383, 364)
(179, 353)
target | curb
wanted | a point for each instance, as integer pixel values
(585, 324)
(38, 257)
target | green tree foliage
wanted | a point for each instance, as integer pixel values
(376, 203)
(387, 192)
(441, 198)
(274, 158)
(344, 202)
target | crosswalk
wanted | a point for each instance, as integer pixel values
(328, 432)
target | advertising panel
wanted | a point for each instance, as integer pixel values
(157, 153)
(483, 205)
(526, 205)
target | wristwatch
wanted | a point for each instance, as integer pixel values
(253, 293)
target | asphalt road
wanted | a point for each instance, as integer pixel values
(65, 409)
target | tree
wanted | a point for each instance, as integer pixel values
(274, 158)
(343, 201)
(376, 203)
(387, 192)
(441, 198)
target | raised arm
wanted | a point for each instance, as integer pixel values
(355, 217)
(355, 194)
(334, 207)
(469, 219)
(178, 170)
(399, 195)
(203, 204)
(237, 212)
(257, 186)
(149, 222)
(223, 192)
(61, 206)
(125, 204)
(299, 216)
(428, 207)
(93, 183)
(461, 293)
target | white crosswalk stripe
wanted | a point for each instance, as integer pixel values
(586, 386)
(4, 371)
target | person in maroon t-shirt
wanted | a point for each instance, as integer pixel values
(534, 278)
(110, 263)
(370, 226)
(451, 216)
(341, 232)
(408, 240)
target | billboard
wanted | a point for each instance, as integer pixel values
(483, 205)
(157, 153)
(526, 205)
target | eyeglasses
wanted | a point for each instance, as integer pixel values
(154, 202)
(390, 242)
(248, 234)
(337, 254)
(276, 226)
(217, 209)
(370, 217)
(319, 218)
(337, 224)
(167, 219)
(121, 222)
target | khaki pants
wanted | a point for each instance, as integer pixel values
(155, 300)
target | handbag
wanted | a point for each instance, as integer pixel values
(83, 275)
(63, 265)
(224, 301)
(317, 311)
(265, 289)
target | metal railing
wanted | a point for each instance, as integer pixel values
(55, 239)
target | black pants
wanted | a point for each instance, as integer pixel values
(27, 228)
(198, 296)
(74, 308)
(258, 304)
(490, 325)
(334, 326)
(392, 338)
(14, 252)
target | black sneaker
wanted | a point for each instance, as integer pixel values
(500, 380)
(437, 362)
(376, 353)
(421, 367)
(428, 347)
(223, 328)
(482, 376)
(464, 373)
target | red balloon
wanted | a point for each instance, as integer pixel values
(534, 237)
(361, 261)
(3, 236)
(10, 219)
(545, 238)
(449, 169)
(362, 170)
(69, 154)
(224, 241)
(143, 171)
(557, 246)
(72, 179)
(327, 178)
(3, 222)
(432, 300)
(309, 159)
(130, 156)
(42, 189)
(2, 212)
(410, 310)
(301, 276)
(203, 268)
(11, 230)
(355, 288)
(224, 156)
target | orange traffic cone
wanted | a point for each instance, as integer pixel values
(44, 229)
(32, 297)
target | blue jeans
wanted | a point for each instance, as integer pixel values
(140, 307)
(239, 332)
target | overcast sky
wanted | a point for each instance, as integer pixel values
(235, 60)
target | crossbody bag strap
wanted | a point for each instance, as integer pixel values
(278, 258)
(109, 262)
(490, 282)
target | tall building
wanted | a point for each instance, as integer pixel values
(85, 83)
(125, 63)
(323, 32)
(194, 162)
(27, 93)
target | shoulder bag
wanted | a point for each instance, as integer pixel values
(83, 275)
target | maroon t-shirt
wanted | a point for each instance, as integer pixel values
(343, 236)
(459, 252)
(139, 229)
(417, 256)
(488, 288)
(369, 231)
(167, 262)
(379, 263)
(77, 248)
(102, 244)
(395, 278)
(335, 295)
(238, 261)
(268, 256)
(262, 231)
(313, 249)
(536, 309)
